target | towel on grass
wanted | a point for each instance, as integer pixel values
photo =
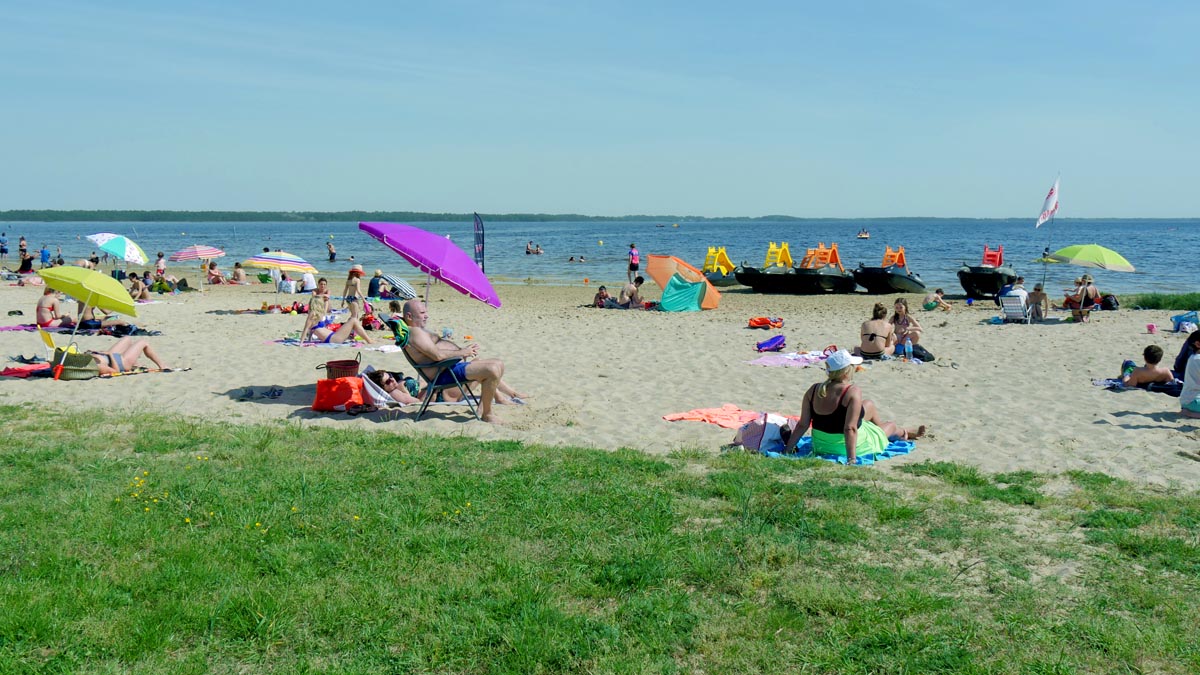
(804, 451)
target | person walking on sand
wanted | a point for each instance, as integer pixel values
(634, 262)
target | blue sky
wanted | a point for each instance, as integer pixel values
(857, 109)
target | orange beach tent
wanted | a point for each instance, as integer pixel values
(662, 267)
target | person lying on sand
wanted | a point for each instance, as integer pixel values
(1149, 373)
(424, 347)
(394, 387)
(843, 422)
(123, 356)
(88, 320)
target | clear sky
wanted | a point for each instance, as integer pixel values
(821, 109)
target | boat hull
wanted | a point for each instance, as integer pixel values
(981, 282)
(890, 279)
(721, 279)
(796, 281)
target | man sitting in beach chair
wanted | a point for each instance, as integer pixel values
(424, 348)
(1014, 308)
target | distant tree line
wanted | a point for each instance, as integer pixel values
(48, 215)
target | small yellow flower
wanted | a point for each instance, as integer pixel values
(155, 501)
(146, 509)
(210, 513)
(294, 509)
(356, 517)
(145, 473)
(468, 505)
(187, 520)
(258, 524)
(118, 500)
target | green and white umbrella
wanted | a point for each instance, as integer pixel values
(122, 247)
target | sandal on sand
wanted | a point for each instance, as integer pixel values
(360, 409)
(273, 392)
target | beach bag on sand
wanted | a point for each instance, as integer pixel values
(75, 366)
(338, 394)
(766, 433)
(1109, 302)
(771, 344)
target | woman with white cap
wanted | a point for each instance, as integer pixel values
(843, 422)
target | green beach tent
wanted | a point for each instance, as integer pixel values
(682, 295)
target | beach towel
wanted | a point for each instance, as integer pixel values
(24, 370)
(791, 359)
(804, 451)
(728, 416)
(142, 371)
(765, 322)
(1174, 388)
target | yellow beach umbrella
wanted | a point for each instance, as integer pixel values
(1093, 255)
(90, 287)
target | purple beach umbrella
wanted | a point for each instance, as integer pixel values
(437, 257)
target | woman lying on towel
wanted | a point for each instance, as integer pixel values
(123, 356)
(843, 422)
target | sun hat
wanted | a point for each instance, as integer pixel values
(1087, 278)
(357, 268)
(841, 359)
(378, 273)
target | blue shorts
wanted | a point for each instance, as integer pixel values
(459, 370)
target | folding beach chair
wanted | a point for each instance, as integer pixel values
(1014, 308)
(50, 346)
(400, 335)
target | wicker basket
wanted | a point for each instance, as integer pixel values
(341, 368)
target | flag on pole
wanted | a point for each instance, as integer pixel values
(1050, 207)
(479, 242)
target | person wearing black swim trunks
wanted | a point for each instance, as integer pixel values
(878, 335)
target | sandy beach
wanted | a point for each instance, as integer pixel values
(999, 397)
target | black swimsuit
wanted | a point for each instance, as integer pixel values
(834, 422)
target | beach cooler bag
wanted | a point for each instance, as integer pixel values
(1181, 319)
(75, 366)
(338, 394)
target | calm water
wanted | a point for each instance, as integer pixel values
(935, 248)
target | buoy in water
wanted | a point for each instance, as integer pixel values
(585, 281)
(601, 242)
(331, 236)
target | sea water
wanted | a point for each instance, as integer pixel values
(1163, 251)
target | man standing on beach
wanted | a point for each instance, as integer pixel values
(634, 260)
(3, 246)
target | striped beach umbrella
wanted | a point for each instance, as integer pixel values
(120, 246)
(197, 252)
(278, 260)
(402, 287)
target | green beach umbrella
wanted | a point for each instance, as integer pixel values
(1093, 255)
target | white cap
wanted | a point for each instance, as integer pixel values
(841, 359)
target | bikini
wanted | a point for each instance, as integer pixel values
(872, 356)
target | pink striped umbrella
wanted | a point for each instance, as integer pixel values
(197, 252)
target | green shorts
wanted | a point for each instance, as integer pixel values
(871, 441)
(930, 305)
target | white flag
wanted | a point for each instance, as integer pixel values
(1050, 207)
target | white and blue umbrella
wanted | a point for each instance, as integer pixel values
(402, 287)
(119, 246)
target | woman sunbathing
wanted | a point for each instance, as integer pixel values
(843, 422)
(393, 386)
(878, 335)
(123, 356)
(137, 289)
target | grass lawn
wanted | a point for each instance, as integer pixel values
(174, 546)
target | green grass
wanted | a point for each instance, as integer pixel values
(1184, 302)
(175, 546)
